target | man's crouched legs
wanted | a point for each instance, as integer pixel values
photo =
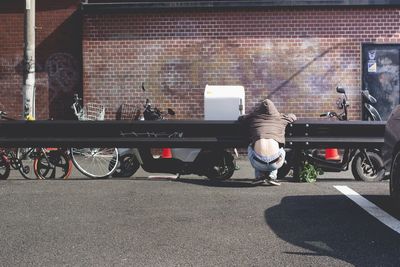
(266, 168)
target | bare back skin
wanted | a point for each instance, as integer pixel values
(266, 147)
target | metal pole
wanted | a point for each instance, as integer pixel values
(28, 90)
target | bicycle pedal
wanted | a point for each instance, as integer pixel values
(26, 169)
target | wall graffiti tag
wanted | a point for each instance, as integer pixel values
(62, 69)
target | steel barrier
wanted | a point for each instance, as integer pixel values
(184, 133)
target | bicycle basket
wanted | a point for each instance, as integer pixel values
(93, 112)
(130, 112)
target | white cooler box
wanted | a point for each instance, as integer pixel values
(223, 102)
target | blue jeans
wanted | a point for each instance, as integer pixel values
(262, 166)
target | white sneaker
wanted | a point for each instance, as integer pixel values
(273, 182)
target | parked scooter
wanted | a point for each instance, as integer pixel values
(215, 164)
(366, 164)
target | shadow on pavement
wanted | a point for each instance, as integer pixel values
(327, 226)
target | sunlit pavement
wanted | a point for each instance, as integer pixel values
(193, 222)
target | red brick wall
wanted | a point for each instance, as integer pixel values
(58, 56)
(11, 55)
(296, 57)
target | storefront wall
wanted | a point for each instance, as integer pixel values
(294, 56)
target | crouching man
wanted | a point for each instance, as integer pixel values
(266, 130)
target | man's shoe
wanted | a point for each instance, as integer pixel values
(258, 181)
(273, 182)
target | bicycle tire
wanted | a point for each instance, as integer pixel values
(4, 168)
(95, 162)
(26, 157)
(53, 164)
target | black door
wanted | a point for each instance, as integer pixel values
(380, 73)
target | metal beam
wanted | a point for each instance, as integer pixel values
(174, 133)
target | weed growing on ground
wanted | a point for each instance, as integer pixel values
(309, 173)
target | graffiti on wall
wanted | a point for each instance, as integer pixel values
(272, 69)
(63, 74)
(61, 79)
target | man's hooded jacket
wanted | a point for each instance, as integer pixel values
(266, 122)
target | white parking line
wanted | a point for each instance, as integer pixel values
(370, 207)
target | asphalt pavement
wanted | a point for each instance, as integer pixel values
(192, 221)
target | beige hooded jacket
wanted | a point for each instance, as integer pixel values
(265, 121)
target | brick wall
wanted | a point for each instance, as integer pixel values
(294, 56)
(58, 57)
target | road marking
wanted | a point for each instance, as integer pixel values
(370, 207)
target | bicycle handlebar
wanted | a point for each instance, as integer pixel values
(77, 98)
(329, 114)
(76, 106)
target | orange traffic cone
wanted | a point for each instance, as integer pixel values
(331, 154)
(166, 153)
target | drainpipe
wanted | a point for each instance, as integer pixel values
(28, 89)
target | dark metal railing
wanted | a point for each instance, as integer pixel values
(182, 133)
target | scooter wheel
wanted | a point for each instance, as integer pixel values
(127, 166)
(224, 168)
(363, 171)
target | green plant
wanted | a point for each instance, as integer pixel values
(309, 172)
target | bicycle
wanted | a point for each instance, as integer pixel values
(11, 159)
(34, 163)
(93, 162)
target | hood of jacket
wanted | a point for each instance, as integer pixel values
(267, 107)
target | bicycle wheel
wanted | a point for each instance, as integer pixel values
(54, 164)
(4, 168)
(25, 158)
(95, 162)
